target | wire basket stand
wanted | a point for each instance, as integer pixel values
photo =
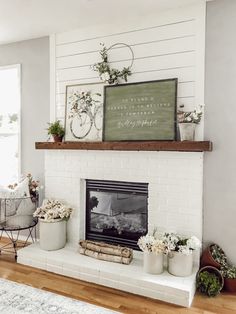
(16, 216)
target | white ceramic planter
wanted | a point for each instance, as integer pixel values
(52, 235)
(179, 264)
(187, 131)
(153, 263)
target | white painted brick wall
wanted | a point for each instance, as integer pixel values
(175, 184)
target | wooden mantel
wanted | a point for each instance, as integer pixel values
(185, 146)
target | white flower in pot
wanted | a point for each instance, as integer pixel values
(187, 122)
(105, 77)
(53, 216)
(180, 256)
(154, 249)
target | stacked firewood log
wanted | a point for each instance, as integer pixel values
(106, 252)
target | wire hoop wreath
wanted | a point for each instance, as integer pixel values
(106, 72)
(130, 49)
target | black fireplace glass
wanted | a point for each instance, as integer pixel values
(116, 212)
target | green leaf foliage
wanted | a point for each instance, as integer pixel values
(208, 283)
(56, 128)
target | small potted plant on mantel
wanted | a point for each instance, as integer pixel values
(56, 130)
(187, 122)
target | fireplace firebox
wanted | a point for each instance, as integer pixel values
(116, 212)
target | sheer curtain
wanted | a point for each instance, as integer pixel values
(9, 124)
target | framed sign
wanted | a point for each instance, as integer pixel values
(140, 111)
(84, 112)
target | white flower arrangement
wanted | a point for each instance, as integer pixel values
(185, 245)
(191, 116)
(151, 244)
(34, 186)
(52, 210)
(106, 73)
(82, 102)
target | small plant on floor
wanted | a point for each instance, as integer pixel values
(228, 272)
(209, 283)
(56, 130)
(218, 255)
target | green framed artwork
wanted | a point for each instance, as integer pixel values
(140, 111)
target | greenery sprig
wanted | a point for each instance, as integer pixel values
(209, 283)
(108, 74)
(56, 128)
(190, 116)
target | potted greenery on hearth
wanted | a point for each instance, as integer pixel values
(153, 248)
(56, 130)
(180, 253)
(53, 216)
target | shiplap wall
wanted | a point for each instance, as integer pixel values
(165, 45)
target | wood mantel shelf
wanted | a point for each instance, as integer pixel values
(185, 146)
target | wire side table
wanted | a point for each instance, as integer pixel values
(12, 223)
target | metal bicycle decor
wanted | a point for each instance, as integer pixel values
(16, 215)
(112, 75)
(84, 112)
(84, 102)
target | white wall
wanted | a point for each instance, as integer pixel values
(220, 165)
(33, 55)
(165, 45)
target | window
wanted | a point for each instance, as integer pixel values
(9, 124)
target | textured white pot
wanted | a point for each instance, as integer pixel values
(187, 131)
(153, 263)
(180, 264)
(52, 235)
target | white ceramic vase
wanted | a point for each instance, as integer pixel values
(179, 264)
(52, 235)
(153, 263)
(187, 131)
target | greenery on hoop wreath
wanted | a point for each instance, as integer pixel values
(110, 75)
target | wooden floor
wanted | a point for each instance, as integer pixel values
(106, 297)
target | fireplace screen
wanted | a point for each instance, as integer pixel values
(116, 212)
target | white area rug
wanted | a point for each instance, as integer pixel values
(21, 299)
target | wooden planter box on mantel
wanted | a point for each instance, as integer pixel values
(185, 146)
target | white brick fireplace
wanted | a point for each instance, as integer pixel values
(174, 178)
(174, 204)
(167, 44)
